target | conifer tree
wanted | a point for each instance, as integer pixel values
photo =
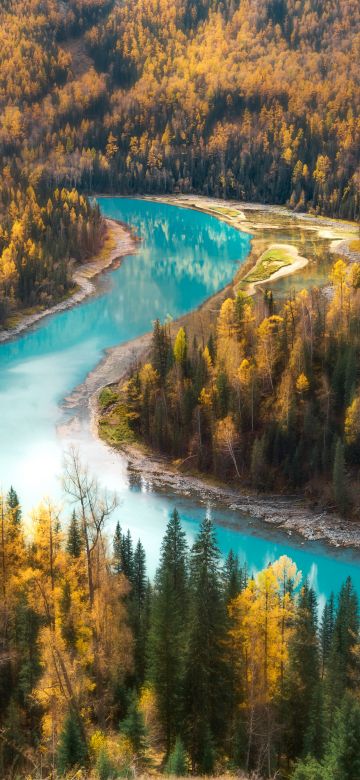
(304, 672)
(118, 549)
(133, 727)
(205, 667)
(167, 636)
(342, 761)
(127, 556)
(177, 762)
(71, 749)
(234, 578)
(139, 611)
(13, 504)
(74, 541)
(344, 671)
(327, 632)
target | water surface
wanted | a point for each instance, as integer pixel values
(184, 257)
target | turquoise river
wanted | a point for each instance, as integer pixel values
(183, 258)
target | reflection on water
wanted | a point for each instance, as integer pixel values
(184, 257)
(311, 242)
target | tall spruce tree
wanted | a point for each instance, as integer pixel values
(139, 611)
(303, 676)
(344, 671)
(127, 556)
(74, 541)
(133, 726)
(327, 632)
(13, 504)
(342, 759)
(117, 549)
(167, 637)
(234, 577)
(71, 749)
(205, 667)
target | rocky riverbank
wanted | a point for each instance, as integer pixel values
(291, 514)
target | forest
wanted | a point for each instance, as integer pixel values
(208, 668)
(248, 100)
(270, 402)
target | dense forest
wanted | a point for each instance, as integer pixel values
(256, 101)
(208, 669)
(270, 402)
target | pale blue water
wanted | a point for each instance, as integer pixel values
(185, 256)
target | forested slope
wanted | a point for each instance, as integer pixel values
(206, 670)
(257, 101)
(267, 398)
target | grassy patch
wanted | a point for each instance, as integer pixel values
(107, 397)
(114, 427)
(226, 212)
(270, 262)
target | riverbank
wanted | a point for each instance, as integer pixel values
(314, 239)
(291, 514)
(119, 241)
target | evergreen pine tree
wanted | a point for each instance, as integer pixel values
(344, 669)
(303, 676)
(168, 629)
(127, 556)
(104, 767)
(71, 748)
(74, 541)
(177, 762)
(133, 727)
(233, 577)
(206, 702)
(326, 632)
(139, 578)
(161, 350)
(342, 760)
(138, 611)
(13, 504)
(315, 733)
(117, 549)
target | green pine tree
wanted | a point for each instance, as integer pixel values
(303, 675)
(344, 671)
(104, 767)
(117, 549)
(71, 748)
(133, 727)
(327, 633)
(234, 578)
(74, 540)
(167, 637)
(177, 763)
(13, 504)
(138, 611)
(127, 556)
(342, 760)
(206, 697)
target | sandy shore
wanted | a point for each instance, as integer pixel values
(296, 264)
(118, 243)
